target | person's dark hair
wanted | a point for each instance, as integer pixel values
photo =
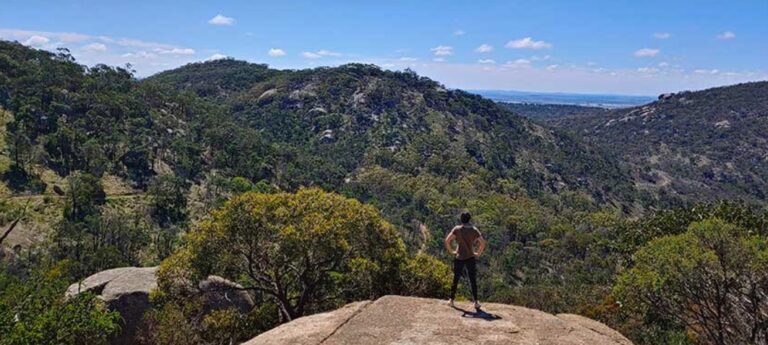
(465, 217)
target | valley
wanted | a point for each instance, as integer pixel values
(314, 188)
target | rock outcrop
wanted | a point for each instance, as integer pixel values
(411, 320)
(127, 290)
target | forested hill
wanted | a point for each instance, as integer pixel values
(703, 145)
(362, 124)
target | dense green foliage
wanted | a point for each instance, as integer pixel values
(33, 311)
(717, 288)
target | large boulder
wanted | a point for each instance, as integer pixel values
(127, 290)
(124, 289)
(410, 320)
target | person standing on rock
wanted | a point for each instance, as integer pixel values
(465, 235)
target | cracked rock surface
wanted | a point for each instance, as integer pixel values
(409, 320)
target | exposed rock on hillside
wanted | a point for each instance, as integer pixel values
(410, 320)
(127, 289)
(711, 143)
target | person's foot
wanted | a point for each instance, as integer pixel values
(450, 302)
(477, 305)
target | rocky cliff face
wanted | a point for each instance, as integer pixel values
(410, 320)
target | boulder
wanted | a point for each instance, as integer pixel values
(124, 289)
(127, 290)
(411, 320)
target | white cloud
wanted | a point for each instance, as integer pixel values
(647, 70)
(216, 56)
(484, 48)
(220, 19)
(442, 50)
(36, 41)
(324, 52)
(276, 52)
(486, 61)
(518, 63)
(727, 35)
(459, 33)
(662, 35)
(176, 51)
(552, 67)
(140, 54)
(438, 59)
(95, 47)
(663, 64)
(409, 59)
(706, 71)
(310, 55)
(540, 58)
(320, 53)
(646, 52)
(528, 43)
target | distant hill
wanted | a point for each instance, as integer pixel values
(591, 100)
(702, 145)
(549, 112)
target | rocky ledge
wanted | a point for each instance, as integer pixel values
(409, 320)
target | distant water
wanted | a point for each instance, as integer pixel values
(594, 100)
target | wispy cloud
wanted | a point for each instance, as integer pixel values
(216, 56)
(459, 32)
(147, 57)
(484, 48)
(442, 50)
(727, 35)
(662, 35)
(518, 63)
(37, 41)
(647, 70)
(646, 52)
(486, 61)
(528, 43)
(408, 58)
(320, 53)
(707, 71)
(95, 47)
(221, 19)
(276, 52)
(175, 51)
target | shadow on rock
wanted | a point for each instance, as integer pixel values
(479, 314)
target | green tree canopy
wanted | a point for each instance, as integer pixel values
(307, 251)
(712, 280)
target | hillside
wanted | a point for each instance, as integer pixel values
(695, 146)
(347, 125)
(429, 321)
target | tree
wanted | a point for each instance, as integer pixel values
(712, 280)
(301, 250)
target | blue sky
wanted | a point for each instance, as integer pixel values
(625, 47)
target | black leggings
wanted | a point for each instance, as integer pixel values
(458, 270)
